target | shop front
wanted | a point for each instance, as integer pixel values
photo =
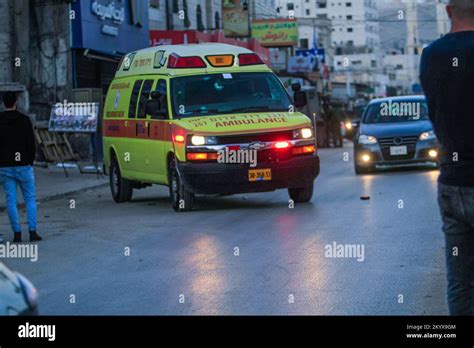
(102, 32)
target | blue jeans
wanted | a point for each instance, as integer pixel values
(457, 212)
(10, 177)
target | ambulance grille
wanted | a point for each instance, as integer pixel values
(250, 138)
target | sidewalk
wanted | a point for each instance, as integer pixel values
(51, 182)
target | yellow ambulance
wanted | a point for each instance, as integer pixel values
(204, 119)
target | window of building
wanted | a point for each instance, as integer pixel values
(217, 20)
(308, 12)
(348, 4)
(290, 6)
(350, 30)
(187, 22)
(199, 22)
(304, 43)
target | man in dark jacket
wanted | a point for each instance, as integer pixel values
(17, 153)
(447, 76)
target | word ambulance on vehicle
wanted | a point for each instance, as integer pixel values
(204, 119)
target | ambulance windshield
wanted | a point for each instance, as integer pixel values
(217, 94)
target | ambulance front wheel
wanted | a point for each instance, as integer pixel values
(122, 189)
(301, 195)
(181, 200)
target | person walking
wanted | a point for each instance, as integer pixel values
(17, 153)
(447, 77)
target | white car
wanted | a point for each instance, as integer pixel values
(17, 295)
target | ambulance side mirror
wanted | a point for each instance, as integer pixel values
(153, 107)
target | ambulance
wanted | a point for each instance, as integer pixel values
(204, 119)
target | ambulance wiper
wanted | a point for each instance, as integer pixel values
(207, 111)
(251, 108)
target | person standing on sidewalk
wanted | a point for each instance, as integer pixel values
(17, 153)
(447, 76)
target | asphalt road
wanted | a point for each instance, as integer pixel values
(187, 264)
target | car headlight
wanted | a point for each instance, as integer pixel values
(29, 291)
(367, 139)
(199, 140)
(303, 133)
(427, 135)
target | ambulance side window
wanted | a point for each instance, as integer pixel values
(163, 96)
(144, 96)
(132, 110)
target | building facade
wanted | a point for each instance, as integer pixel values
(202, 15)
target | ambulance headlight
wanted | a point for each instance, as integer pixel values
(303, 133)
(199, 140)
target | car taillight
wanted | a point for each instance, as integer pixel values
(249, 59)
(177, 62)
(302, 150)
(201, 156)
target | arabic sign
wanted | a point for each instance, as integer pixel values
(74, 117)
(110, 26)
(235, 18)
(108, 11)
(275, 32)
(300, 65)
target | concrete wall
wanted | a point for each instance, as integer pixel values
(35, 50)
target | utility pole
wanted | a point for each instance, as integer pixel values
(412, 39)
(442, 20)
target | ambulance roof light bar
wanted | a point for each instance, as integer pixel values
(177, 62)
(250, 59)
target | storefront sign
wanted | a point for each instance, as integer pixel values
(300, 65)
(109, 11)
(278, 59)
(110, 26)
(275, 32)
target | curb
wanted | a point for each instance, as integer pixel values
(59, 195)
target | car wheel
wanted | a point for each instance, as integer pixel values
(301, 195)
(181, 200)
(120, 188)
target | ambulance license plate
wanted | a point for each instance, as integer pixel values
(260, 175)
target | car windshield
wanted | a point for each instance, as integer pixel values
(216, 94)
(392, 111)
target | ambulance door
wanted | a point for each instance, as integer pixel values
(128, 159)
(159, 130)
(145, 141)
